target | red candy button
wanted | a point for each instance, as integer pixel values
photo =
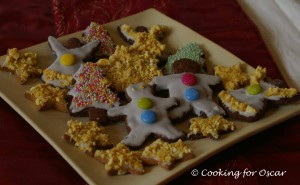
(189, 79)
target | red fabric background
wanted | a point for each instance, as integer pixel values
(26, 158)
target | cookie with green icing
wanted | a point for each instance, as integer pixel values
(189, 58)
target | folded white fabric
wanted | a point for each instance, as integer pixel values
(279, 24)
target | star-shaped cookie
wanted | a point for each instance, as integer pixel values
(46, 97)
(87, 136)
(166, 154)
(135, 63)
(210, 127)
(120, 160)
(23, 65)
(60, 72)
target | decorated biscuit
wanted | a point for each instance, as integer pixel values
(120, 160)
(92, 89)
(72, 43)
(141, 34)
(96, 32)
(23, 65)
(136, 63)
(209, 127)
(60, 72)
(249, 103)
(193, 92)
(166, 154)
(189, 58)
(46, 96)
(232, 77)
(87, 136)
(146, 115)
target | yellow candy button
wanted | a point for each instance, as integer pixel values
(144, 103)
(67, 59)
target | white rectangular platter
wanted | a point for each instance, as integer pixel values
(52, 124)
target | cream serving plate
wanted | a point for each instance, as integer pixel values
(52, 124)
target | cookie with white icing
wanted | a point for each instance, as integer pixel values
(60, 72)
(92, 90)
(193, 92)
(146, 114)
(250, 103)
(97, 32)
(281, 96)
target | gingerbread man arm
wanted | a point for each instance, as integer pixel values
(56, 46)
(162, 82)
(117, 111)
(84, 50)
(168, 102)
(208, 80)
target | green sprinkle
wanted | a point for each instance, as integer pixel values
(190, 51)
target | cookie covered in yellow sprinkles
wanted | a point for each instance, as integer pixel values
(136, 63)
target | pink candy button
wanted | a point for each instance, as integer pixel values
(189, 79)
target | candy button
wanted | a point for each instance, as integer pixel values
(148, 116)
(144, 103)
(191, 94)
(189, 79)
(67, 59)
(254, 89)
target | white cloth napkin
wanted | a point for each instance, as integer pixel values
(279, 24)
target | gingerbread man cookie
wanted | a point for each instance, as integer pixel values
(146, 114)
(193, 92)
(249, 103)
(60, 72)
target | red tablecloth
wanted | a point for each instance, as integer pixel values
(26, 158)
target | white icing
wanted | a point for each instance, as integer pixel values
(139, 130)
(255, 101)
(274, 98)
(176, 89)
(126, 34)
(79, 53)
